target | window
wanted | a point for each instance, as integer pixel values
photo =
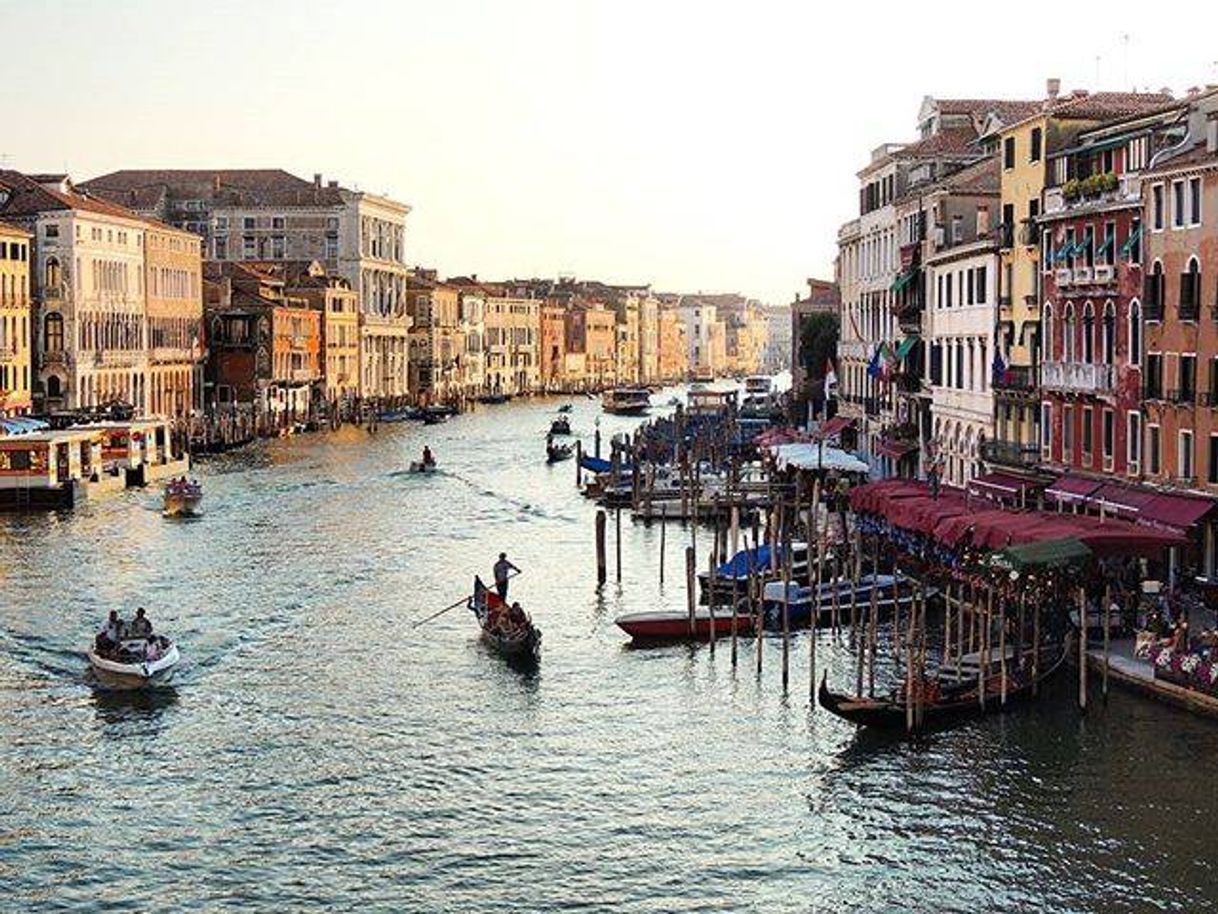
(981, 284)
(1184, 455)
(222, 223)
(53, 335)
(1034, 146)
(1188, 378)
(1133, 442)
(1135, 155)
(1008, 152)
(1109, 331)
(1152, 441)
(1194, 201)
(957, 229)
(969, 286)
(278, 247)
(1190, 291)
(1108, 432)
(1133, 246)
(1046, 429)
(1087, 430)
(1088, 333)
(50, 231)
(221, 245)
(1154, 376)
(1156, 208)
(1212, 469)
(247, 223)
(1047, 321)
(1067, 431)
(1107, 250)
(249, 250)
(1068, 338)
(1177, 204)
(1153, 283)
(277, 222)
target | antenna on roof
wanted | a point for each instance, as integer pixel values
(1125, 48)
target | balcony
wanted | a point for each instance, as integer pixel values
(302, 374)
(117, 358)
(1010, 453)
(1029, 233)
(1095, 190)
(908, 383)
(1076, 377)
(1005, 235)
(57, 357)
(1016, 377)
(53, 293)
(1182, 397)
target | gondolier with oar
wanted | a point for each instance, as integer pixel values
(503, 573)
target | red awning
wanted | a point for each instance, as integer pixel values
(999, 486)
(1072, 488)
(894, 449)
(832, 428)
(1122, 501)
(1174, 511)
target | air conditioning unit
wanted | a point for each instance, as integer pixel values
(1064, 277)
(1104, 273)
(1082, 275)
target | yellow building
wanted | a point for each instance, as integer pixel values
(14, 320)
(338, 303)
(513, 338)
(1023, 149)
(173, 268)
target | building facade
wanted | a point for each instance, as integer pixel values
(436, 337)
(15, 362)
(338, 304)
(173, 282)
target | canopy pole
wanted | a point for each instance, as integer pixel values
(1082, 649)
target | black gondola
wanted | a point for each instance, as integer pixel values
(560, 426)
(559, 452)
(943, 701)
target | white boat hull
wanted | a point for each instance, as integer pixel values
(135, 675)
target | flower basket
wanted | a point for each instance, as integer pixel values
(1187, 669)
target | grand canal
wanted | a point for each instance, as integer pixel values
(318, 752)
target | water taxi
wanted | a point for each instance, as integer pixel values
(757, 385)
(626, 401)
(182, 498)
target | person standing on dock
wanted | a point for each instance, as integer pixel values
(503, 569)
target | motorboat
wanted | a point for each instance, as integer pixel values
(494, 398)
(129, 667)
(733, 575)
(890, 591)
(675, 626)
(515, 640)
(757, 385)
(419, 466)
(182, 498)
(626, 401)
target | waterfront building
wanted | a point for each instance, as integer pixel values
(705, 336)
(674, 347)
(87, 283)
(553, 347)
(1025, 146)
(471, 368)
(264, 345)
(333, 298)
(270, 214)
(962, 283)
(436, 339)
(173, 268)
(626, 349)
(591, 329)
(15, 364)
(1179, 440)
(649, 337)
(822, 298)
(513, 334)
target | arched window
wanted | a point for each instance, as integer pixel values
(54, 388)
(1109, 333)
(53, 273)
(53, 333)
(1190, 290)
(1135, 332)
(1088, 332)
(1068, 340)
(1154, 291)
(1047, 319)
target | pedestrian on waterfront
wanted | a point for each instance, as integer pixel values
(503, 569)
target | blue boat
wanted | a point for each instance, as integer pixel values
(733, 575)
(889, 591)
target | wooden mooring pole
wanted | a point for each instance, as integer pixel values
(617, 541)
(691, 598)
(663, 529)
(600, 547)
(1082, 649)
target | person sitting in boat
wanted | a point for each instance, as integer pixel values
(517, 617)
(152, 649)
(141, 625)
(110, 635)
(503, 569)
(428, 459)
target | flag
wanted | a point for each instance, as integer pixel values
(830, 379)
(890, 361)
(1000, 367)
(873, 367)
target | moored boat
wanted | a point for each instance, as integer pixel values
(626, 401)
(128, 666)
(182, 498)
(733, 575)
(508, 630)
(674, 626)
(939, 700)
(889, 592)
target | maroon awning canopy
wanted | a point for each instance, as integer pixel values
(1000, 486)
(1072, 488)
(833, 427)
(1123, 501)
(1177, 512)
(894, 449)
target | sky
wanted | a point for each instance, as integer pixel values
(695, 146)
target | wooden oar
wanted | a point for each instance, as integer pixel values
(460, 602)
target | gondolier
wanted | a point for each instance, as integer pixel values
(503, 570)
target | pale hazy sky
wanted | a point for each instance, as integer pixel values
(693, 145)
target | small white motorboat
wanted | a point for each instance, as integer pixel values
(128, 666)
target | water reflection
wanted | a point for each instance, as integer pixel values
(119, 706)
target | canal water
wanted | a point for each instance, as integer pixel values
(319, 752)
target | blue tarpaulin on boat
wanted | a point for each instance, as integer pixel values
(597, 465)
(745, 560)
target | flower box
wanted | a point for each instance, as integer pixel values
(1187, 669)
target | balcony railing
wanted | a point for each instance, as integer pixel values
(1016, 377)
(1183, 397)
(1010, 453)
(1128, 187)
(1076, 377)
(1029, 233)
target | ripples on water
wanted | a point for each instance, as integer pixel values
(317, 752)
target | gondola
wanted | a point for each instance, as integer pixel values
(515, 641)
(942, 700)
(559, 452)
(565, 408)
(560, 426)
(418, 466)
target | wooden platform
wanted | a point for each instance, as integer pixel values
(1137, 674)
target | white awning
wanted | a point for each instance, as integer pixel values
(813, 456)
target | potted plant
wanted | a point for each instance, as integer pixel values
(1072, 189)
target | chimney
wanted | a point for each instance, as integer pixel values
(1211, 134)
(317, 179)
(983, 221)
(332, 184)
(215, 183)
(1053, 87)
